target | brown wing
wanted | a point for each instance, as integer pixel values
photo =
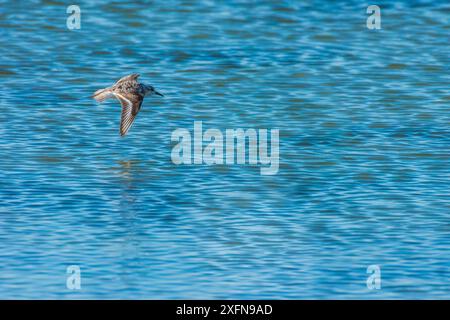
(130, 108)
(130, 77)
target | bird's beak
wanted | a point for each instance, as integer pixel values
(159, 94)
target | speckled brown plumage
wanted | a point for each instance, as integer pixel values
(130, 93)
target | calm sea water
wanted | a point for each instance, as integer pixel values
(364, 150)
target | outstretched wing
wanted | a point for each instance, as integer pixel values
(130, 108)
(130, 77)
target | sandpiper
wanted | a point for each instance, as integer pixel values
(130, 93)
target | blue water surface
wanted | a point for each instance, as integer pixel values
(364, 171)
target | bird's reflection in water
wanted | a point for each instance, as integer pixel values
(127, 173)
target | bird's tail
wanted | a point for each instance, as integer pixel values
(102, 94)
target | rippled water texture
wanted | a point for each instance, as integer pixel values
(364, 150)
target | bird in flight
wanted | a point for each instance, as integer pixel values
(130, 93)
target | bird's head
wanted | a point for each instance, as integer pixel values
(149, 90)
